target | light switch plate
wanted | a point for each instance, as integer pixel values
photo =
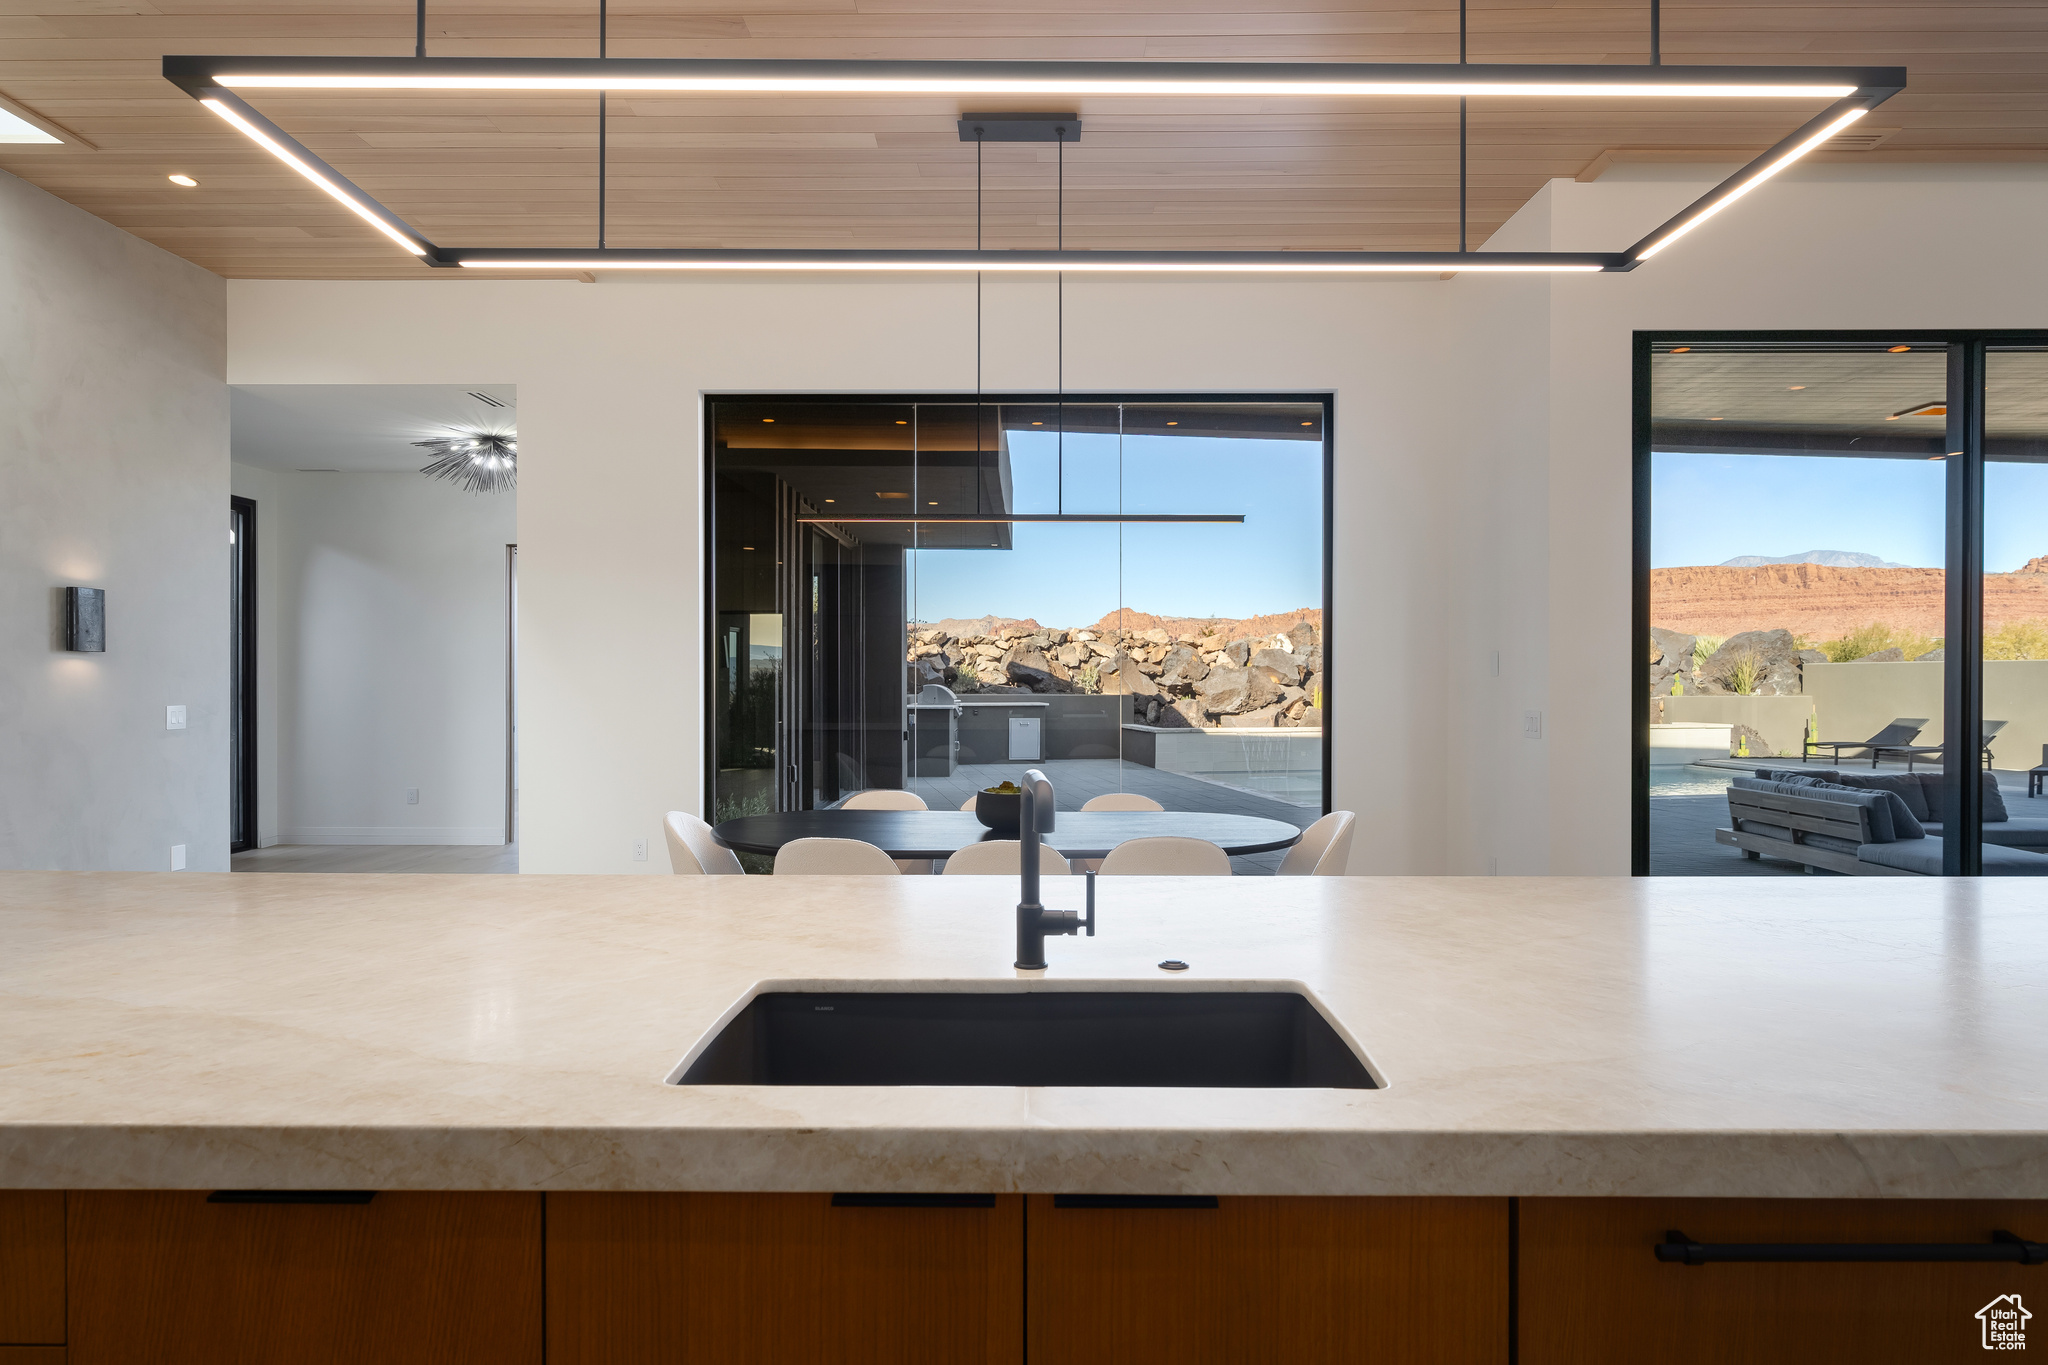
(174, 718)
(1532, 725)
(177, 857)
(639, 850)
(412, 796)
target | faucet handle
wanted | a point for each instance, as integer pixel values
(1088, 923)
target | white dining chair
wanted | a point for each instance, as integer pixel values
(1112, 801)
(832, 858)
(968, 804)
(1324, 849)
(692, 851)
(1001, 858)
(1121, 801)
(1166, 855)
(883, 798)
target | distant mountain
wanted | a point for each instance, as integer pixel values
(1834, 559)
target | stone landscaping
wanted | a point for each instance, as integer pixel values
(1184, 679)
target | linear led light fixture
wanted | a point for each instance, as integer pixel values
(1854, 91)
(1013, 518)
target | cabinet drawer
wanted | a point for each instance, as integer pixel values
(168, 1277)
(750, 1279)
(31, 1267)
(1300, 1280)
(1592, 1291)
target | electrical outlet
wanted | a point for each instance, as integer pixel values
(177, 857)
(174, 718)
(1532, 725)
(639, 850)
(412, 796)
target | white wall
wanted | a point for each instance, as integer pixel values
(382, 656)
(113, 474)
(1482, 486)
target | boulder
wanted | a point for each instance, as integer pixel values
(1280, 661)
(1155, 636)
(1304, 637)
(1265, 685)
(1263, 718)
(1103, 649)
(1182, 668)
(1121, 677)
(1668, 646)
(1239, 652)
(989, 651)
(1225, 690)
(1185, 713)
(1037, 679)
(1894, 655)
(1743, 742)
(1313, 717)
(1774, 653)
(1932, 656)
(1072, 656)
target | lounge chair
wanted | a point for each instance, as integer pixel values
(1927, 753)
(1899, 734)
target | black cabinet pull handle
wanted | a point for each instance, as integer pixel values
(2004, 1247)
(1134, 1201)
(291, 1196)
(913, 1201)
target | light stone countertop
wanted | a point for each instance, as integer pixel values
(1794, 1036)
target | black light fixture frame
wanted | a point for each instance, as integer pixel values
(200, 76)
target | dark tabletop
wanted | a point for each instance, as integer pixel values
(942, 833)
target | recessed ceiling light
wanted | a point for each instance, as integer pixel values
(1896, 349)
(187, 181)
(746, 547)
(831, 500)
(904, 496)
(931, 504)
(1680, 350)
(767, 419)
(1173, 424)
(1713, 419)
(1038, 424)
(902, 421)
(1794, 388)
(1308, 424)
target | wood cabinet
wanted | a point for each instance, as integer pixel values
(1591, 1291)
(1300, 1280)
(168, 1277)
(31, 1269)
(750, 1279)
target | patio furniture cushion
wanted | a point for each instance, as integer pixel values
(1994, 802)
(1924, 857)
(2025, 831)
(1790, 774)
(1879, 804)
(1912, 793)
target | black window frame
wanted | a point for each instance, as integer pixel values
(707, 488)
(1963, 559)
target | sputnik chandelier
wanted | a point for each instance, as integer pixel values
(1850, 92)
(481, 461)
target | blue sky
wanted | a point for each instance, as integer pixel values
(1070, 575)
(1706, 509)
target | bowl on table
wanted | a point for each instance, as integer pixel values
(1000, 811)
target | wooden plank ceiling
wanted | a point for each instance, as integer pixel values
(704, 171)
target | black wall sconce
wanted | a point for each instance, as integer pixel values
(85, 620)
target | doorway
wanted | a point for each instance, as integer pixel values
(242, 833)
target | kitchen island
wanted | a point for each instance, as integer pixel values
(1565, 1062)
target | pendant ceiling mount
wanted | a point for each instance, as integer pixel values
(1852, 92)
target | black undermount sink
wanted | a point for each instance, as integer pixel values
(1232, 1039)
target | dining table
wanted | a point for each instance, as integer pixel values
(942, 833)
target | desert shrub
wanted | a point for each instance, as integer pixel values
(1741, 672)
(2018, 640)
(1703, 647)
(966, 679)
(1876, 637)
(1088, 678)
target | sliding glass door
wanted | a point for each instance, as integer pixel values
(1833, 579)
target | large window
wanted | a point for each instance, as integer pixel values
(933, 594)
(1834, 576)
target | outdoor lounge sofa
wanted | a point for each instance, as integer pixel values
(1869, 825)
(1898, 735)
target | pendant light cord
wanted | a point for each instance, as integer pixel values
(977, 325)
(1656, 32)
(1059, 220)
(601, 26)
(419, 40)
(1463, 140)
